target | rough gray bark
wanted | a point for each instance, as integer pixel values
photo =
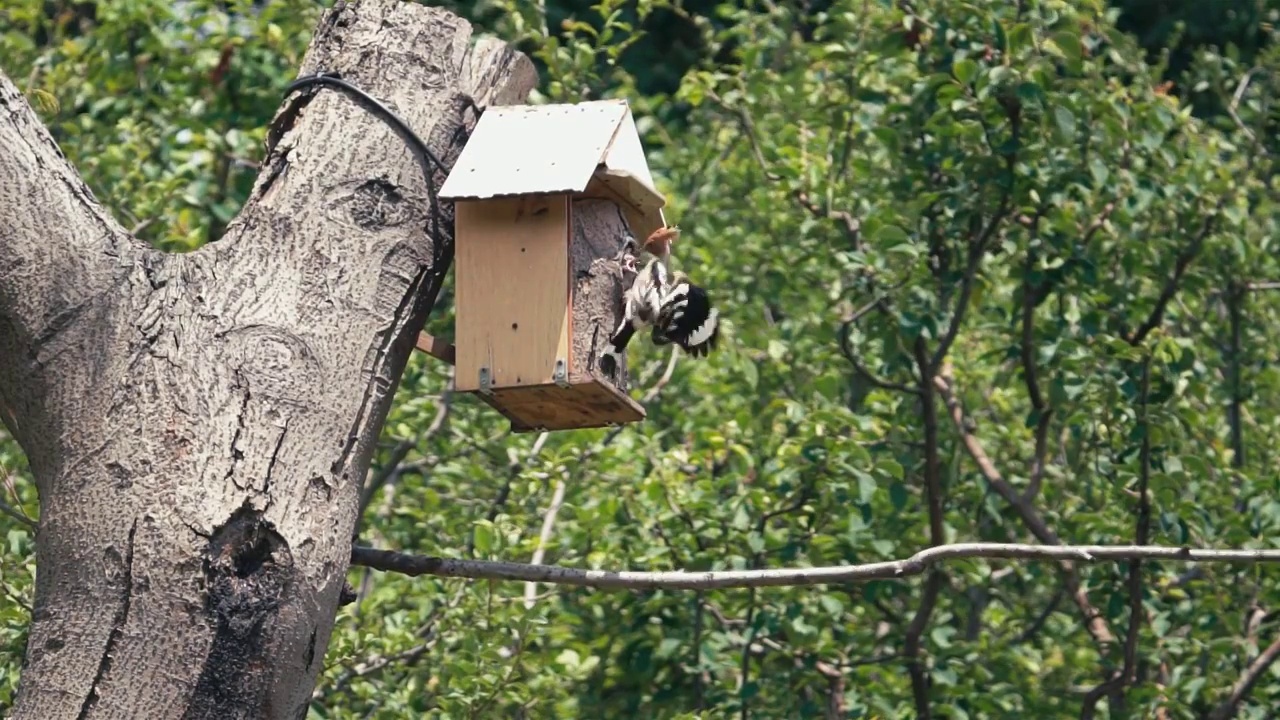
(599, 282)
(198, 424)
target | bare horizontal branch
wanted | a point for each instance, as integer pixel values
(414, 565)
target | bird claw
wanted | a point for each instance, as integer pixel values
(608, 364)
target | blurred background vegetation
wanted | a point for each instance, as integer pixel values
(992, 269)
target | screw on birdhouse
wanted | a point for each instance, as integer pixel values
(486, 386)
(560, 375)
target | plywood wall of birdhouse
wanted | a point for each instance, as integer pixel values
(599, 228)
(513, 302)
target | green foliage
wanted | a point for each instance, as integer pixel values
(163, 105)
(986, 202)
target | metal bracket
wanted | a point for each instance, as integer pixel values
(486, 385)
(560, 376)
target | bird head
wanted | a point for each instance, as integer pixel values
(659, 241)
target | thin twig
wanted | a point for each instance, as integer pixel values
(15, 511)
(977, 251)
(1032, 296)
(846, 349)
(1235, 300)
(1180, 266)
(1235, 103)
(392, 468)
(16, 515)
(933, 464)
(514, 468)
(557, 495)
(1041, 619)
(979, 245)
(414, 565)
(1094, 622)
(937, 532)
(1116, 684)
(138, 228)
(544, 537)
(376, 663)
(851, 225)
(744, 673)
(1030, 376)
(1251, 675)
(389, 469)
(699, 675)
(692, 200)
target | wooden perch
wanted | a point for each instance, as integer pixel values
(436, 348)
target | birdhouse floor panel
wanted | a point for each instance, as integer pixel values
(587, 404)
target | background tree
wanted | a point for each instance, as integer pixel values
(988, 277)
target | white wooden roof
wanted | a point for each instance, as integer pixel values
(589, 148)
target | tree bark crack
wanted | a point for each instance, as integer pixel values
(275, 458)
(236, 453)
(60, 323)
(117, 627)
(377, 377)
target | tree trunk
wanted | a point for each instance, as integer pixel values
(198, 425)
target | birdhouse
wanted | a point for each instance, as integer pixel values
(544, 198)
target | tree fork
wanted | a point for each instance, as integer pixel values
(198, 425)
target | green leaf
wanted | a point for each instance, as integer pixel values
(484, 537)
(1069, 44)
(569, 658)
(890, 235)
(777, 350)
(1020, 38)
(898, 495)
(965, 70)
(667, 648)
(751, 374)
(941, 636)
(890, 467)
(1065, 121)
(866, 486)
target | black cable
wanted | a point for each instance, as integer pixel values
(421, 152)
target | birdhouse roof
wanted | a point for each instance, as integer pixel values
(588, 149)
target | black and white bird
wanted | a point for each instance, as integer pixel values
(678, 311)
(687, 318)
